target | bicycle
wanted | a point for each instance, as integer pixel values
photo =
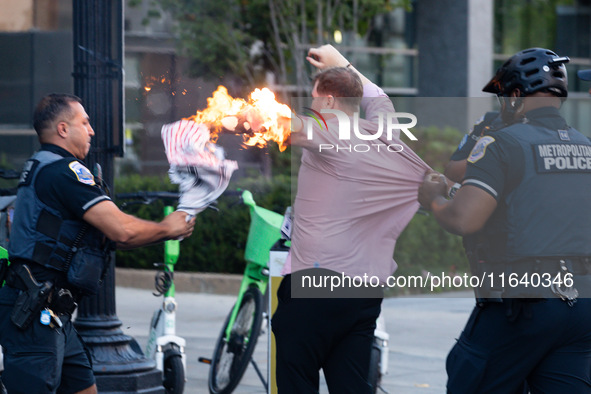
(239, 335)
(7, 198)
(164, 346)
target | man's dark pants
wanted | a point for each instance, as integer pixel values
(333, 334)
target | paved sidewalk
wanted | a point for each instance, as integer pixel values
(422, 330)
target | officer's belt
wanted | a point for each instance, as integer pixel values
(579, 267)
(15, 283)
(575, 265)
(12, 280)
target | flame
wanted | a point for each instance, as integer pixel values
(258, 118)
(162, 82)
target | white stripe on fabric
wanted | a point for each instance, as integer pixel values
(481, 184)
(94, 201)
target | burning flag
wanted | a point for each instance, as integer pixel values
(257, 119)
(197, 165)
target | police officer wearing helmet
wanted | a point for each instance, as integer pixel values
(57, 249)
(527, 189)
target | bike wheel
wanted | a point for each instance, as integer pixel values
(374, 377)
(174, 374)
(232, 355)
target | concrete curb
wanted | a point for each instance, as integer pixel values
(189, 282)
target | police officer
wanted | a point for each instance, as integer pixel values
(527, 189)
(58, 251)
(456, 168)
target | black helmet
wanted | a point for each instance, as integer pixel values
(531, 70)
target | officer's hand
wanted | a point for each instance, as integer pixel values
(179, 226)
(434, 185)
(326, 56)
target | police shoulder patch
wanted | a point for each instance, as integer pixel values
(82, 173)
(480, 148)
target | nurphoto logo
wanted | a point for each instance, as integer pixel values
(387, 124)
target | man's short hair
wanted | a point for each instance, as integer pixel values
(340, 82)
(50, 108)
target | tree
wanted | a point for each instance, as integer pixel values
(521, 24)
(249, 38)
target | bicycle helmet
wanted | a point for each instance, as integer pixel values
(531, 70)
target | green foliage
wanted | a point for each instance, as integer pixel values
(246, 38)
(424, 245)
(7, 168)
(521, 24)
(218, 35)
(217, 244)
(435, 145)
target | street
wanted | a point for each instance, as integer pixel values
(422, 331)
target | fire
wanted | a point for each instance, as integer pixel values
(258, 119)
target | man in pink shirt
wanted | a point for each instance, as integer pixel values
(356, 192)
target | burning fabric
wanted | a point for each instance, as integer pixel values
(196, 165)
(257, 118)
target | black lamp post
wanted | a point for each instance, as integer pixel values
(118, 362)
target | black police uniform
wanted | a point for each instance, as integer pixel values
(41, 358)
(539, 171)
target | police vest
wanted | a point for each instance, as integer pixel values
(40, 234)
(547, 214)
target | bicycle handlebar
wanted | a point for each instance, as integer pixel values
(233, 193)
(9, 174)
(148, 196)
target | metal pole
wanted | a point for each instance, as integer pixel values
(118, 362)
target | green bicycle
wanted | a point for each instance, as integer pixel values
(240, 332)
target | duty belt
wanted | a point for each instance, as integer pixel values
(548, 277)
(61, 300)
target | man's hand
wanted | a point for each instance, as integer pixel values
(326, 56)
(433, 186)
(294, 123)
(248, 121)
(465, 214)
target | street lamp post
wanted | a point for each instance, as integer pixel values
(118, 362)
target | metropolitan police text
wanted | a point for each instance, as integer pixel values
(565, 157)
